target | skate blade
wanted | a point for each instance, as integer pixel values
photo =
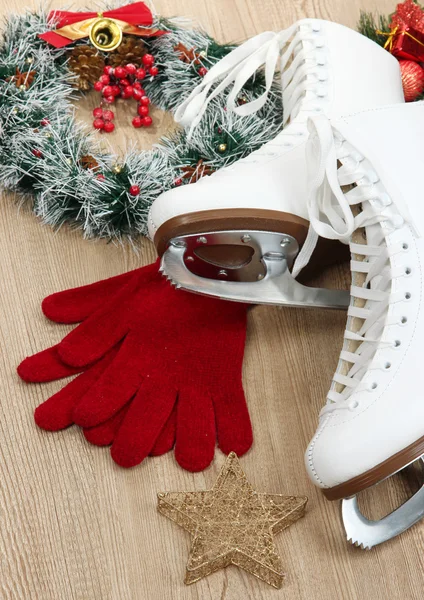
(366, 533)
(266, 278)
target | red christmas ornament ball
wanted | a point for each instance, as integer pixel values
(130, 68)
(143, 111)
(202, 71)
(120, 72)
(98, 124)
(412, 79)
(37, 153)
(147, 121)
(44, 122)
(137, 122)
(148, 60)
(98, 113)
(178, 181)
(108, 115)
(100, 177)
(134, 190)
(109, 126)
(98, 86)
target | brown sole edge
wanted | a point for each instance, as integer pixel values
(327, 252)
(381, 471)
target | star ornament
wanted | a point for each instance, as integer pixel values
(233, 524)
(22, 79)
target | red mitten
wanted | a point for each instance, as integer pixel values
(146, 347)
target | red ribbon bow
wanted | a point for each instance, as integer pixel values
(134, 15)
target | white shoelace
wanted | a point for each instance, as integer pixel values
(242, 63)
(331, 216)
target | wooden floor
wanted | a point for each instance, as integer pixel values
(73, 525)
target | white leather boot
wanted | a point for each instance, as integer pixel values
(236, 233)
(366, 173)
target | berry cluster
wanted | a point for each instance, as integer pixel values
(125, 82)
(103, 120)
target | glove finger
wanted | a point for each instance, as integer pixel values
(146, 418)
(101, 331)
(57, 412)
(76, 304)
(104, 434)
(196, 436)
(166, 439)
(233, 426)
(45, 366)
(117, 385)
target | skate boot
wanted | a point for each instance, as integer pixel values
(368, 193)
(236, 233)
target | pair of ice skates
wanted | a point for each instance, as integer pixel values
(346, 167)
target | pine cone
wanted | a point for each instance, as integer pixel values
(131, 50)
(87, 63)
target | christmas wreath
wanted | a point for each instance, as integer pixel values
(48, 158)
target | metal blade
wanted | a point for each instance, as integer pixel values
(277, 287)
(367, 533)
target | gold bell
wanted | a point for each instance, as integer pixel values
(105, 35)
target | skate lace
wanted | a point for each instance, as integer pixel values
(299, 61)
(331, 216)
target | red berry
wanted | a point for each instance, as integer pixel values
(100, 177)
(109, 126)
(131, 69)
(108, 70)
(116, 90)
(153, 71)
(107, 90)
(143, 111)
(124, 82)
(105, 79)
(98, 113)
(44, 122)
(136, 94)
(147, 121)
(110, 99)
(178, 181)
(148, 60)
(98, 124)
(108, 115)
(37, 152)
(127, 92)
(98, 86)
(120, 72)
(202, 71)
(137, 122)
(140, 73)
(134, 190)
(145, 101)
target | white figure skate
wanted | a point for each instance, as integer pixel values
(236, 233)
(373, 423)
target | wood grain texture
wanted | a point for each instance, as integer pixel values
(73, 525)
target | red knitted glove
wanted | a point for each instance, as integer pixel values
(145, 347)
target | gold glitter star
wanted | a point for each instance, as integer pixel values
(233, 524)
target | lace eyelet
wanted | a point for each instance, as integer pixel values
(403, 320)
(397, 344)
(374, 386)
(408, 295)
(388, 365)
(405, 246)
(353, 405)
(408, 271)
